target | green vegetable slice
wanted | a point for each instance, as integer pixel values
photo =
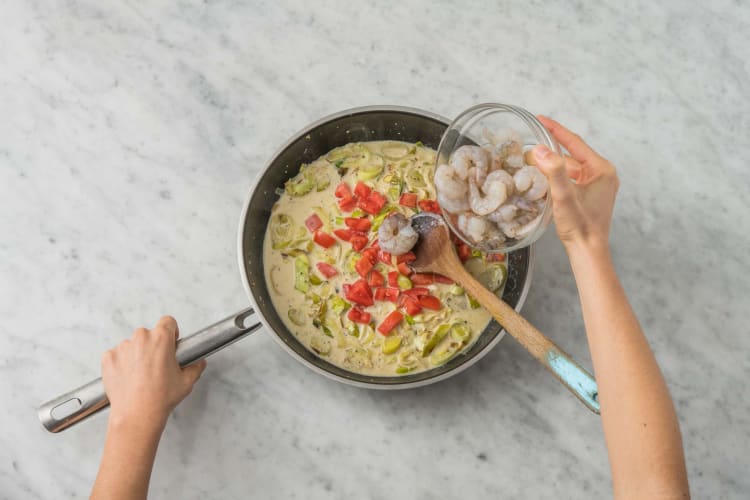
(301, 273)
(444, 353)
(299, 185)
(404, 283)
(372, 169)
(338, 305)
(282, 231)
(414, 179)
(394, 150)
(460, 332)
(391, 344)
(493, 277)
(429, 339)
(473, 302)
(407, 357)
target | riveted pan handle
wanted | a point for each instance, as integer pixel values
(70, 408)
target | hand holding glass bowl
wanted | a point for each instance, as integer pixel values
(490, 194)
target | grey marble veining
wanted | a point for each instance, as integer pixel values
(130, 134)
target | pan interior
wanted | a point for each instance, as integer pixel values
(365, 124)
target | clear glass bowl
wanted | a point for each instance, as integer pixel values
(469, 128)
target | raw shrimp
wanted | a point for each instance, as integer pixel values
(531, 182)
(523, 178)
(525, 229)
(494, 190)
(508, 228)
(395, 234)
(515, 161)
(505, 178)
(538, 188)
(522, 203)
(454, 206)
(505, 213)
(493, 237)
(448, 183)
(472, 227)
(467, 157)
(503, 138)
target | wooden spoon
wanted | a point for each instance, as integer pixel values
(435, 253)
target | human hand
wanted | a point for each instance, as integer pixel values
(142, 378)
(582, 210)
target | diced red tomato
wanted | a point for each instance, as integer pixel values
(363, 266)
(429, 206)
(378, 200)
(422, 279)
(429, 302)
(390, 322)
(387, 293)
(464, 251)
(417, 291)
(358, 223)
(357, 315)
(496, 257)
(324, 239)
(359, 293)
(343, 234)
(372, 203)
(407, 257)
(445, 280)
(362, 190)
(347, 204)
(404, 269)
(375, 244)
(371, 254)
(313, 223)
(326, 270)
(365, 205)
(408, 200)
(358, 241)
(411, 305)
(376, 279)
(385, 257)
(429, 278)
(393, 278)
(343, 191)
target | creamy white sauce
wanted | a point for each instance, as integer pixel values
(362, 352)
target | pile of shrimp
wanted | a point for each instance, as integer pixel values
(493, 193)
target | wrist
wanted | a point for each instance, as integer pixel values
(586, 251)
(146, 426)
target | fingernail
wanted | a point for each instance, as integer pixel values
(541, 151)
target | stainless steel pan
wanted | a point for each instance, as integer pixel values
(372, 123)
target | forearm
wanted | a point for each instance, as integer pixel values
(640, 424)
(129, 452)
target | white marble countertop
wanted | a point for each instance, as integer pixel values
(131, 133)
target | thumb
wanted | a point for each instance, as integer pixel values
(191, 374)
(552, 165)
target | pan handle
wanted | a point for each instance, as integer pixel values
(70, 408)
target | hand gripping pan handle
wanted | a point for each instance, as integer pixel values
(70, 408)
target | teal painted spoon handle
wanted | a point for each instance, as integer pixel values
(563, 367)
